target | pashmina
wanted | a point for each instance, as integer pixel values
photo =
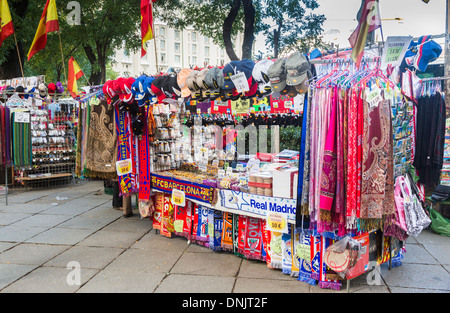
(377, 190)
(101, 148)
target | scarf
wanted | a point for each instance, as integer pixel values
(125, 150)
(157, 215)
(286, 248)
(144, 163)
(167, 217)
(295, 241)
(242, 227)
(329, 172)
(304, 271)
(327, 278)
(276, 259)
(306, 169)
(227, 232)
(101, 143)
(253, 239)
(202, 237)
(377, 192)
(301, 162)
(215, 225)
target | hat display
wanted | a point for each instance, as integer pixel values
(277, 75)
(191, 81)
(126, 94)
(138, 90)
(181, 80)
(229, 70)
(297, 68)
(157, 88)
(200, 80)
(42, 90)
(259, 74)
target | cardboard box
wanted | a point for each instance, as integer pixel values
(285, 182)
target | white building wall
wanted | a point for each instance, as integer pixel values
(176, 49)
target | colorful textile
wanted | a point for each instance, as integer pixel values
(227, 232)
(253, 239)
(144, 163)
(157, 215)
(286, 248)
(304, 273)
(202, 237)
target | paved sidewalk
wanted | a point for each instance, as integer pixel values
(42, 231)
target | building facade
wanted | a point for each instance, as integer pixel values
(176, 49)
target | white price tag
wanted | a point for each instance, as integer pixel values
(240, 82)
(22, 117)
(178, 197)
(277, 222)
(123, 167)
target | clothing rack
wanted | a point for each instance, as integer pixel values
(435, 78)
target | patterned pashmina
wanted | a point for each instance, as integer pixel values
(101, 149)
(329, 171)
(377, 194)
(307, 150)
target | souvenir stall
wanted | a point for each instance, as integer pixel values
(37, 134)
(340, 202)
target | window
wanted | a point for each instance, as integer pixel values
(177, 59)
(177, 47)
(162, 45)
(206, 40)
(206, 61)
(162, 31)
(162, 57)
(126, 53)
(194, 48)
(206, 51)
(194, 36)
(177, 35)
(194, 60)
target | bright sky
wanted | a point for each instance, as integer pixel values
(418, 17)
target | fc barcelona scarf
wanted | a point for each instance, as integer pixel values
(126, 148)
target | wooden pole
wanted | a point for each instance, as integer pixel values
(18, 54)
(62, 56)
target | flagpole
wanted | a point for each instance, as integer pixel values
(18, 54)
(154, 39)
(62, 55)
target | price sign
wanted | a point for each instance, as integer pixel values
(240, 82)
(22, 117)
(178, 225)
(304, 252)
(277, 222)
(178, 197)
(123, 167)
(373, 97)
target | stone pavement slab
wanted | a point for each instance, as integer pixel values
(10, 218)
(41, 220)
(32, 254)
(117, 281)
(19, 233)
(113, 239)
(12, 272)
(62, 236)
(87, 257)
(256, 285)
(182, 283)
(49, 280)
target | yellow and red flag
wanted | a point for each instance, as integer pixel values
(75, 73)
(47, 24)
(146, 24)
(369, 20)
(6, 26)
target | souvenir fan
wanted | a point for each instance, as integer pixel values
(138, 90)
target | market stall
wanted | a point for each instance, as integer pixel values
(193, 147)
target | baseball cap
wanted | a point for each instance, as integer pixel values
(259, 74)
(157, 88)
(297, 68)
(191, 82)
(229, 70)
(211, 82)
(427, 52)
(181, 80)
(200, 80)
(277, 75)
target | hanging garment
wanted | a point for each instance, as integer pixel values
(377, 186)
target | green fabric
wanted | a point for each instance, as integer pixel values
(439, 224)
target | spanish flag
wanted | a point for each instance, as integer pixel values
(75, 73)
(48, 23)
(146, 24)
(6, 27)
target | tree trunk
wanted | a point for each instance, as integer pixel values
(276, 41)
(227, 26)
(249, 29)
(95, 78)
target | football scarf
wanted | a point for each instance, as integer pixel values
(295, 241)
(236, 234)
(304, 272)
(253, 239)
(202, 237)
(215, 225)
(286, 248)
(326, 276)
(167, 217)
(180, 220)
(159, 203)
(125, 147)
(242, 234)
(227, 232)
(276, 260)
(144, 164)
